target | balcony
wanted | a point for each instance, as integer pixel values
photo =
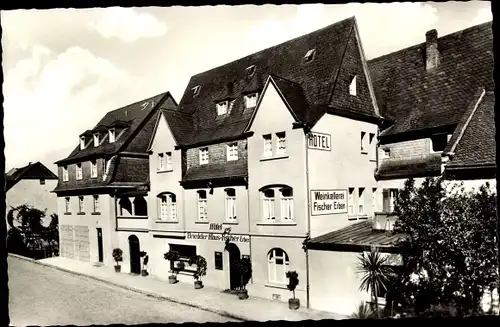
(384, 221)
(132, 213)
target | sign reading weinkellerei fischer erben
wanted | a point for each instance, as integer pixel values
(319, 141)
(326, 202)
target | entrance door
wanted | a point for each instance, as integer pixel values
(135, 256)
(99, 244)
(234, 258)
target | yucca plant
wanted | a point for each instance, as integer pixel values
(375, 274)
(363, 311)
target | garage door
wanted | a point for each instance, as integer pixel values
(82, 245)
(67, 246)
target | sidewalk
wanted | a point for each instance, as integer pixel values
(209, 299)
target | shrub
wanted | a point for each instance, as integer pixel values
(118, 256)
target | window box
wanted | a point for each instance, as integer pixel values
(95, 213)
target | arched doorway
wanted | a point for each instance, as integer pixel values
(234, 257)
(135, 254)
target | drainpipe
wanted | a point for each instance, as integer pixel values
(306, 130)
(249, 220)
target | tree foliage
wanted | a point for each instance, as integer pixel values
(450, 253)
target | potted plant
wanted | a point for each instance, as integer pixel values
(201, 269)
(118, 257)
(172, 256)
(245, 269)
(178, 268)
(145, 260)
(293, 281)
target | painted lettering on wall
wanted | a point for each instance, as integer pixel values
(326, 202)
(319, 141)
(215, 226)
(217, 237)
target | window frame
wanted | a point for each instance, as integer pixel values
(168, 161)
(350, 201)
(203, 154)
(361, 201)
(67, 205)
(222, 104)
(96, 204)
(112, 132)
(272, 266)
(202, 200)
(310, 55)
(281, 140)
(251, 100)
(268, 204)
(228, 199)
(93, 169)
(97, 140)
(286, 204)
(83, 142)
(65, 174)
(79, 171)
(268, 145)
(81, 204)
(161, 162)
(232, 151)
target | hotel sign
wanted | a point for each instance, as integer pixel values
(217, 237)
(319, 141)
(327, 202)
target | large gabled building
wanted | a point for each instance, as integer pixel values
(110, 161)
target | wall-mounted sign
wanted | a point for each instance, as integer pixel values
(215, 226)
(217, 237)
(326, 202)
(319, 141)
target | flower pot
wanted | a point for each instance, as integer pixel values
(172, 279)
(144, 272)
(243, 295)
(118, 269)
(198, 284)
(293, 304)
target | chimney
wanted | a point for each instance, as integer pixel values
(431, 50)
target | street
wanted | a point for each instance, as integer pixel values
(41, 295)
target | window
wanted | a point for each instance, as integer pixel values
(112, 136)
(232, 151)
(387, 153)
(203, 156)
(230, 204)
(351, 201)
(163, 207)
(93, 169)
(218, 261)
(67, 205)
(80, 204)
(250, 70)
(125, 206)
(281, 143)
(278, 264)
(168, 206)
(168, 156)
(185, 251)
(251, 100)
(389, 198)
(222, 108)
(374, 200)
(161, 162)
(286, 203)
(439, 142)
(140, 206)
(361, 201)
(363, 142)
(79, 173)
(65, 174)
(82, 142)
(268, 204)
(196, 90)
(310, 55)
(202, 205)
(96, 203)
(352, 85)
(96, 139)
(373, 146)
(268, 145)
(42, 181)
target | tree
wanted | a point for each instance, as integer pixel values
(450, 256)
(375, 274)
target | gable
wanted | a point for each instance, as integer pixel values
(162, 137)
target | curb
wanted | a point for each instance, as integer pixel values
(136, 290)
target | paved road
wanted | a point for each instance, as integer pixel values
(41, 295)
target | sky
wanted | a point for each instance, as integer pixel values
(65, 68)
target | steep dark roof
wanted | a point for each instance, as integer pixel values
(32, 171)
(230, 169)
(429, 165)
(356, 235)
(129, 119)
(180, 124)
(475, 145)
(313, 82)
(417, 99)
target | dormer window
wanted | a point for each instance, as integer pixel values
(251, 100)
(250, 70)
(222, 108)
(96, 139)
(196, 90)
(112, 135)
(82, 142)
(310, 55)
(352, 85)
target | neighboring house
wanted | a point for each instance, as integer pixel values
(31, 185)
(109, 163)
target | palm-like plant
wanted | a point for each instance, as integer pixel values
(375, 274)
(363, 312)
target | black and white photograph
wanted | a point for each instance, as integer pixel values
(250, 163)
